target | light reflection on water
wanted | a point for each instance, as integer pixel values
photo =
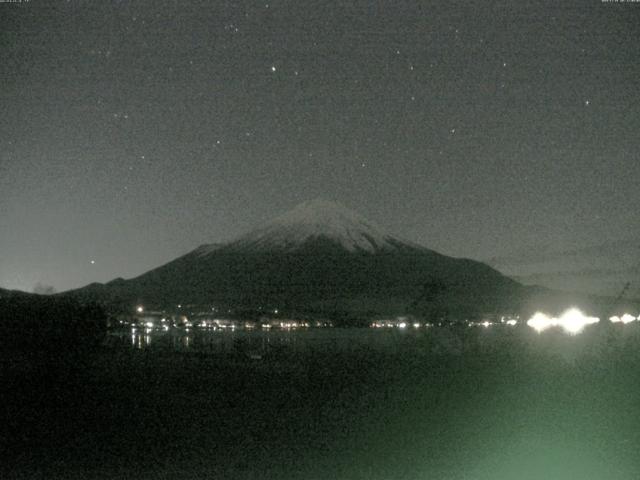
(140, 339)
(255, 343)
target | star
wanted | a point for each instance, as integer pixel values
(273, 68)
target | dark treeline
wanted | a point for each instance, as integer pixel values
(39, 325)
(46, 345)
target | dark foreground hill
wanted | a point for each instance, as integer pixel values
(48, 326)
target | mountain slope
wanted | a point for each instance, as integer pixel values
(4, 294)
(319, 257)
(602, 269)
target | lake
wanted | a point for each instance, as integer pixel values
(262, 342)
(445, 403)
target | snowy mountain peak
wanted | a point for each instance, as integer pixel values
(320, 219)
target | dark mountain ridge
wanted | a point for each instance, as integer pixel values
(323, 260)
(319, 258)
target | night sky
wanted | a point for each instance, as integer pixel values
(132, 132)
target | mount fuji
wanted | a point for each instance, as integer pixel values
(318, 259)
(320, 219)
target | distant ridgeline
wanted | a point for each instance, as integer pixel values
(323, 260)
(318, 260)
(38, 323)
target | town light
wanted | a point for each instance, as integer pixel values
(540, 322)
(572, 321)
(626, 318)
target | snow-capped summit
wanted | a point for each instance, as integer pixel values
(320, 219)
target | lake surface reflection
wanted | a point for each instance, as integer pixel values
(260, 342)
(446, 340)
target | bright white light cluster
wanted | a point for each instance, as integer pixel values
(572, 321)
(626, 318)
